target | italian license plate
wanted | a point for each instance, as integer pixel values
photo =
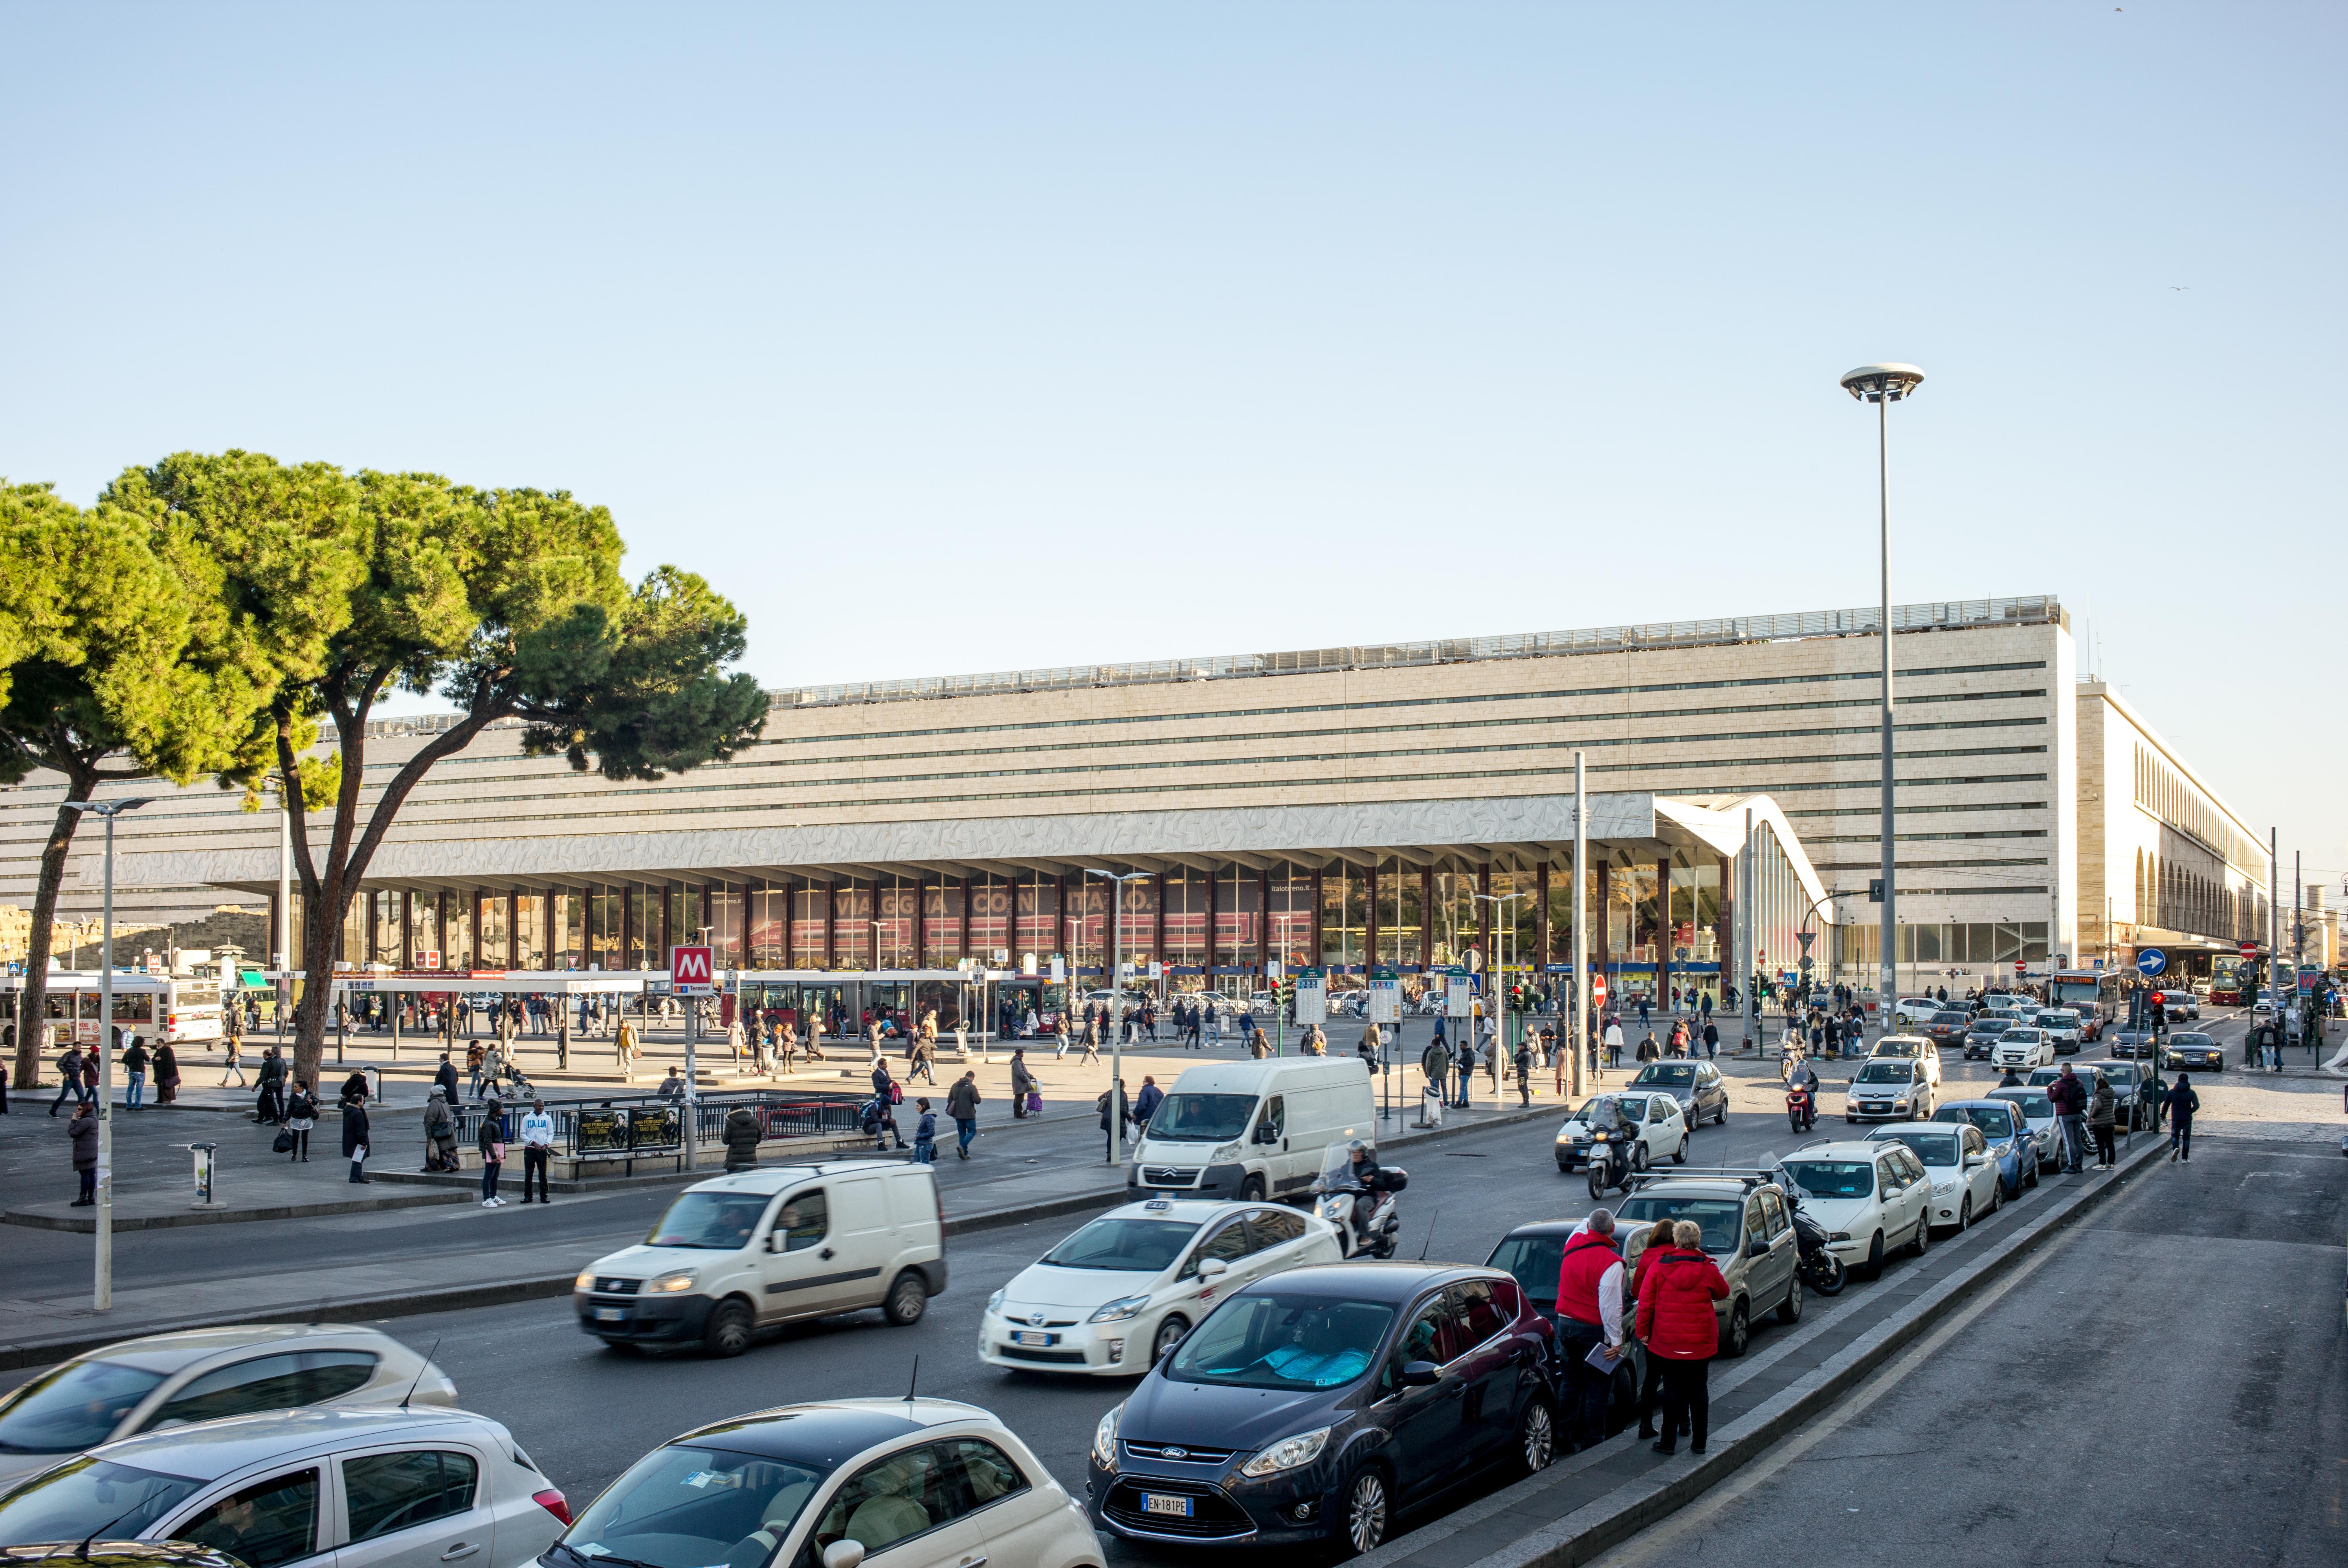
(1159, 1502)
(611, 1314)
(1030, 1337)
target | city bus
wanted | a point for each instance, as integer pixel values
(2234, 981)
(2096, 993)
(179, 1009)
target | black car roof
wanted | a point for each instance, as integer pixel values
(819, 1435)
(1396, 1282)
(1544, 1228)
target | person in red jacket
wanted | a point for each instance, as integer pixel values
(1651, 1386)
(1589, 1315)
(1676, 1322)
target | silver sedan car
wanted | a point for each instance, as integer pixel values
(2038, 1115)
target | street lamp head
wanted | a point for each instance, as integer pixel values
(1883, 383)
(107, 807)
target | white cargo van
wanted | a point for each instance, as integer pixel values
(1253, 1129)
(743, 1252)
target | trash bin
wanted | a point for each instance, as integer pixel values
(1430, 1107)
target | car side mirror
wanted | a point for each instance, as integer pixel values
(844, 1554)
(1414, 1375)
(1975, 1162)
(1267, 1133)
(1211, 1267)
(1758, 1247)
(774, 1241)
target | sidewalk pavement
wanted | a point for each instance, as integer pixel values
(43, 1327)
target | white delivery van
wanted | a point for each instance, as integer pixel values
(1253, 1129)
(743, 1252)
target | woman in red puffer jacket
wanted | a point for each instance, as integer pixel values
(1678, 1326)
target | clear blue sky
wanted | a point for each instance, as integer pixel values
(972, 336)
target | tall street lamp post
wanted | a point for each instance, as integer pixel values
(102, 1290)
(1117, 1002)
(1883, 385)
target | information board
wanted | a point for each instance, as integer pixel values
(1311, 997)
(1385, 997)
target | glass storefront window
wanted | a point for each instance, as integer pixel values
(807, 907)
(457, 931)
(769, 937)
(530, 931)
(1037, 921)
(725, 901)
(1186, 918)
(852, 925)
(490, 932)
(990, 920)
(1344, 895)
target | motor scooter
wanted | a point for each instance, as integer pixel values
(1817, 1266)
(1363, 1229)
(1801, 1109)
(1612, 1160)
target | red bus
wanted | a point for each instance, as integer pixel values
(2232, 981)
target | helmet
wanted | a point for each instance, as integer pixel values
(1358, 1146)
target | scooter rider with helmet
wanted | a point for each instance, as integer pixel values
(1363, 1169)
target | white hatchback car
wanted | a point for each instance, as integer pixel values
(1913, 1048)
(1871, 1197)
(308, 1489)
(1662, 1132)
(1889, 1089)
(1118, 1294)
(1964, 1180)
(2022, 1049)
(202, 1375)
(906, 1484)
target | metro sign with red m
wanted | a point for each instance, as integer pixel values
(689, 969)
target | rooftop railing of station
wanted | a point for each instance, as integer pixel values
(1945, 615)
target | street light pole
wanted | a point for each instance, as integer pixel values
(1580, 1038)
(102, 1288)
(1883, 385)
(1117, 1000)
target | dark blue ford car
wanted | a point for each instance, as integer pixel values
(1321, 1401)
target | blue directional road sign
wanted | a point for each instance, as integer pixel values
(2150, 962)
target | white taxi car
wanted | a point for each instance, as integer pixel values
(1871, 1197)
(1964, 1180)
(1661, 1130)
(1123, 1290)
(2022, 1049)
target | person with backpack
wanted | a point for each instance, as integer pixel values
(300, 1115)
(70, 1067)
(1112, 1103)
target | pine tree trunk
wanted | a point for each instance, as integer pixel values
(322, 917)
(31, 1033)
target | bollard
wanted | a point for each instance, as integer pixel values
(204, 1154)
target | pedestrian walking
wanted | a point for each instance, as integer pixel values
(537, 1148)
(1145, 1103)
(492, 1145)
(740, 1136)
(2103, 1110)
(301, 1116)
(271, 1081)
(69, 1087)
(2182, 1103)
(925, 1134)
(1435, 1063)
(83, 1130)
(1613, 1042)
(439, 1133)
(1711, 1034)
(1524, 1073)
(962, 1105)
(625, 1048)
(166, 1074)
(1023, 1082)
(1588, 1315)
(925, 1058)
(134, 1074)
(1112, 1103)
(354, 1133)
(1676, 1322)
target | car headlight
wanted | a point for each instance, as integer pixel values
(1288, 1454)
(1228, 1152)
(995, 1302)
(586, 1280)
(1838, 1235)
(670, 1283)
(1105, 1440)
(1118, 1311)
(1900, 1105)
(1944, 1189)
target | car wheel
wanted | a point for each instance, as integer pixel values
(1169, 1334)
(1922, 1242)
(2030, 1171)
(1965, 1214)
(1565, 1167)
(1873, 1268)
(1679, 1155)
(729, 1331)
(908, 1299)
(1365, 1521)
(1790, 1309)
(1536, 1436)
(1638, 1162)
(1740, 1331)
(1251, 1190)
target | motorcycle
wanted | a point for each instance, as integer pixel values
(1817, 1266)
(1801, 1111)
(1612, 1161)
(1371, 1228)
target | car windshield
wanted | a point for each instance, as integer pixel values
(73, 1406)
(2052, 1018)
(1904, 1048)
(1277, 1339)
(1718, 1216)
(84, 1496)
(2177, 1040)
(1994, 1121)
(1932, 1148)
(1132, 1246)
(2019, 1037)
(2034, 1107)
(1628, 1107)
(1948, 1018)
(697, 1508)
(1534, 1260)
(2122, 1074)
(1831, 1178)
(1674, 1073)
(1885, 1073)
(1201, 1118)
(723, 1222)
(1993, 1026)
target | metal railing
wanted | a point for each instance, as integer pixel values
(2033, 609)
(648, 1126)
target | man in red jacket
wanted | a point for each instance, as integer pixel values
(1588, 1313)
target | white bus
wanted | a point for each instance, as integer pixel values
(179, 1008)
